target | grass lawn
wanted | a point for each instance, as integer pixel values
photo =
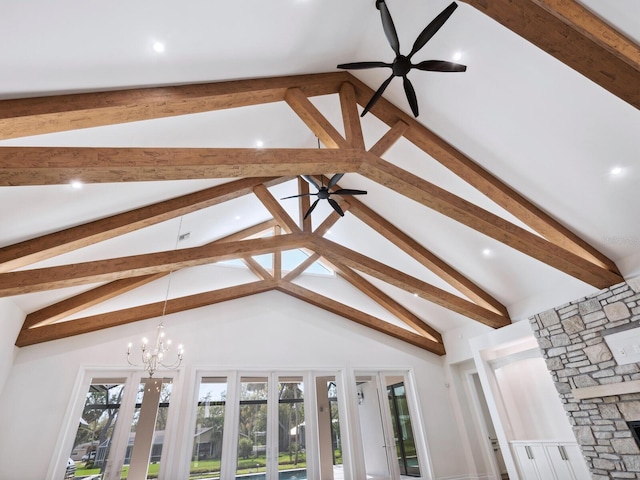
(206, 467)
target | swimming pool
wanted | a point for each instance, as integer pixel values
(300, 474)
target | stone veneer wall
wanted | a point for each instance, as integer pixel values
(570, 337)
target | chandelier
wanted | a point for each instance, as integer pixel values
(156, 356)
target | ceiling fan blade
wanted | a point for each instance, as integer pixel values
(431, 29)
(311, 181)
(313, 205)
(440, 66)
(388, 26)
(376, 95)
(349, 191)
(411, 95)
(363, 65)
(336, 207)
(335, 179)
(301, 195)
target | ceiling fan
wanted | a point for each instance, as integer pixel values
(324, 193)
(402, 65)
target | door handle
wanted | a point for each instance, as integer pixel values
(527, 448)
(563, 453)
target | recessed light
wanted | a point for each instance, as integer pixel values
(415, 294)
(487, 252)
(457, 56)
(77, 184)
(328, 232)
(259, 143)
(616, 171)
(237, 217)
(158, 47)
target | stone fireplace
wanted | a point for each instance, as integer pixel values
(601, 396)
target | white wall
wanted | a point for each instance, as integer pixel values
(270, 330)
(11, 320)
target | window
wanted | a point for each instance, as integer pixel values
(96, 425)
(252, 427)
(208, 435)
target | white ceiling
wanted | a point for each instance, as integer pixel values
(534, 123)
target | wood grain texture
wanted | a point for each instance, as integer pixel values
(425, 257)
(35, 116)
(357, 316)
(317, 123)
(483, 181)
(121, 317)
(61, 165)
(27, 281)
(487, 223)
(566, 41)
(337, 253)
(281, 216)
(590, 26)
(387, 302)
(82, 301)
(350, 116)
(30, 251)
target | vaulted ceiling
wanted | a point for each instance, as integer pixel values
(499, 201)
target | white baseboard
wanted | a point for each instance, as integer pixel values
(468, 477)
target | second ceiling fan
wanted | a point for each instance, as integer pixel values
(402, 65)
(324, 193)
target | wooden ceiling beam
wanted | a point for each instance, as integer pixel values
(317, 123)
(487, 223)
(69, 306)
(30, 251)
(35, 116)
(121, 317)
(337, 253)
(284, 220)
(27, 281)
(386, 302)
(60, 165)
(304, 203)
(426, 258)
(350, 116)
(482, 180)
(77, 303)
(394, 134)
(296, 272)
(576, 37)
(257, 269)
(357, 316)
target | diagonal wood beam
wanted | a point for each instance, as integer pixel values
(30, 251)
(483, 181)
(16, 283)
(575, 37)
(285, 221)
(357, 316)
(337, 253)
(387, 302)
(60, 165)
(388, 139)
(350, 116)
(35, 116)
(592, 27)
(257, 269)
(428, 259)
(296, 272)
(82, 301)
(112, 319)
(316, 122)
(487, 223)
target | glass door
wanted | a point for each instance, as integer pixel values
(402, 430)
(374, 419)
